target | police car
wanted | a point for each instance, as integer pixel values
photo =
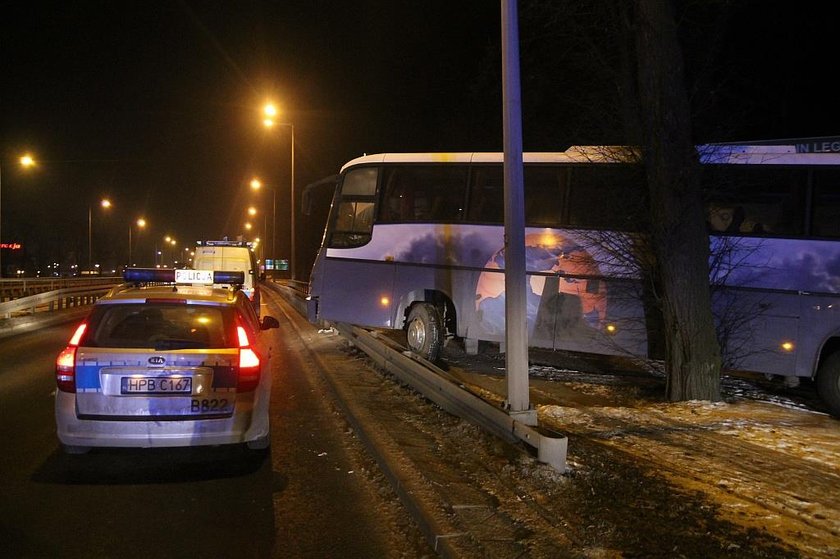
(166, 359)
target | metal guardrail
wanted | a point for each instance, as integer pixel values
(439, 386)
(447, 392)
(53, 300)
(14, 288)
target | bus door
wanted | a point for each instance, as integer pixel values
(351, 280)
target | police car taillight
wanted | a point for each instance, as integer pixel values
(249, 363)
(65, 363)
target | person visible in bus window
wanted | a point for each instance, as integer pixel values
(718, 218)
(725, 219)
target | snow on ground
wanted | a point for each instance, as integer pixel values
(768, 461)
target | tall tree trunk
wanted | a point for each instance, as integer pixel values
(679, 234)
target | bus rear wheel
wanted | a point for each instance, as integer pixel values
(424, 331)
(828, 383)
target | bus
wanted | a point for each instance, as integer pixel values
(415, 241)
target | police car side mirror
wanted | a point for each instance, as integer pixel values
(269, 322)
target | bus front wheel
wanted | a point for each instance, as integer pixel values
(828, 383)
(424, 331)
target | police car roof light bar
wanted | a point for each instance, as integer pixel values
(167, 275)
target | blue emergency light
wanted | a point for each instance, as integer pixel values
(234, 278)
(148, 275)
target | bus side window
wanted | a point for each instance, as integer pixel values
(608, 196)
(397, 199)
(486, 195)
(422, 193)
(545, 195)
(754, 200)
(826, 219)
(447, 196)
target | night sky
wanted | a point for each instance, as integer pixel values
(156, 104)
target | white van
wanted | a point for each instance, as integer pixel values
(234, 256)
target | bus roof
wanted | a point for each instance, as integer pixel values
(709, 153)
(575, 154)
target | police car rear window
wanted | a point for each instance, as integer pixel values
(161, 326)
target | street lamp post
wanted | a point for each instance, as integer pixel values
(141, 223)
(26, 161)
(170, 242)
(105, 203)
(270, 111)
(256, 184)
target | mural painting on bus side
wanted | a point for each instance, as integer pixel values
(570, 303)
(568, 300)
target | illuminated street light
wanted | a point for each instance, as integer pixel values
(247, 226)
(105, 203)
(270, 111)
(252, 211)
(27, 161)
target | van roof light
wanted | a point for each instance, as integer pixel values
(225, 243)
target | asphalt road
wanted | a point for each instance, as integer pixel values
(312, 495)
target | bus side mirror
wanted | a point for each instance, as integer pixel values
(269, 322)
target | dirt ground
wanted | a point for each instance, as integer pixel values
(756, 475)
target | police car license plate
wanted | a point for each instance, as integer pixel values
(156, 385)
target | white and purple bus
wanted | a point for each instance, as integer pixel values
(415, 242)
